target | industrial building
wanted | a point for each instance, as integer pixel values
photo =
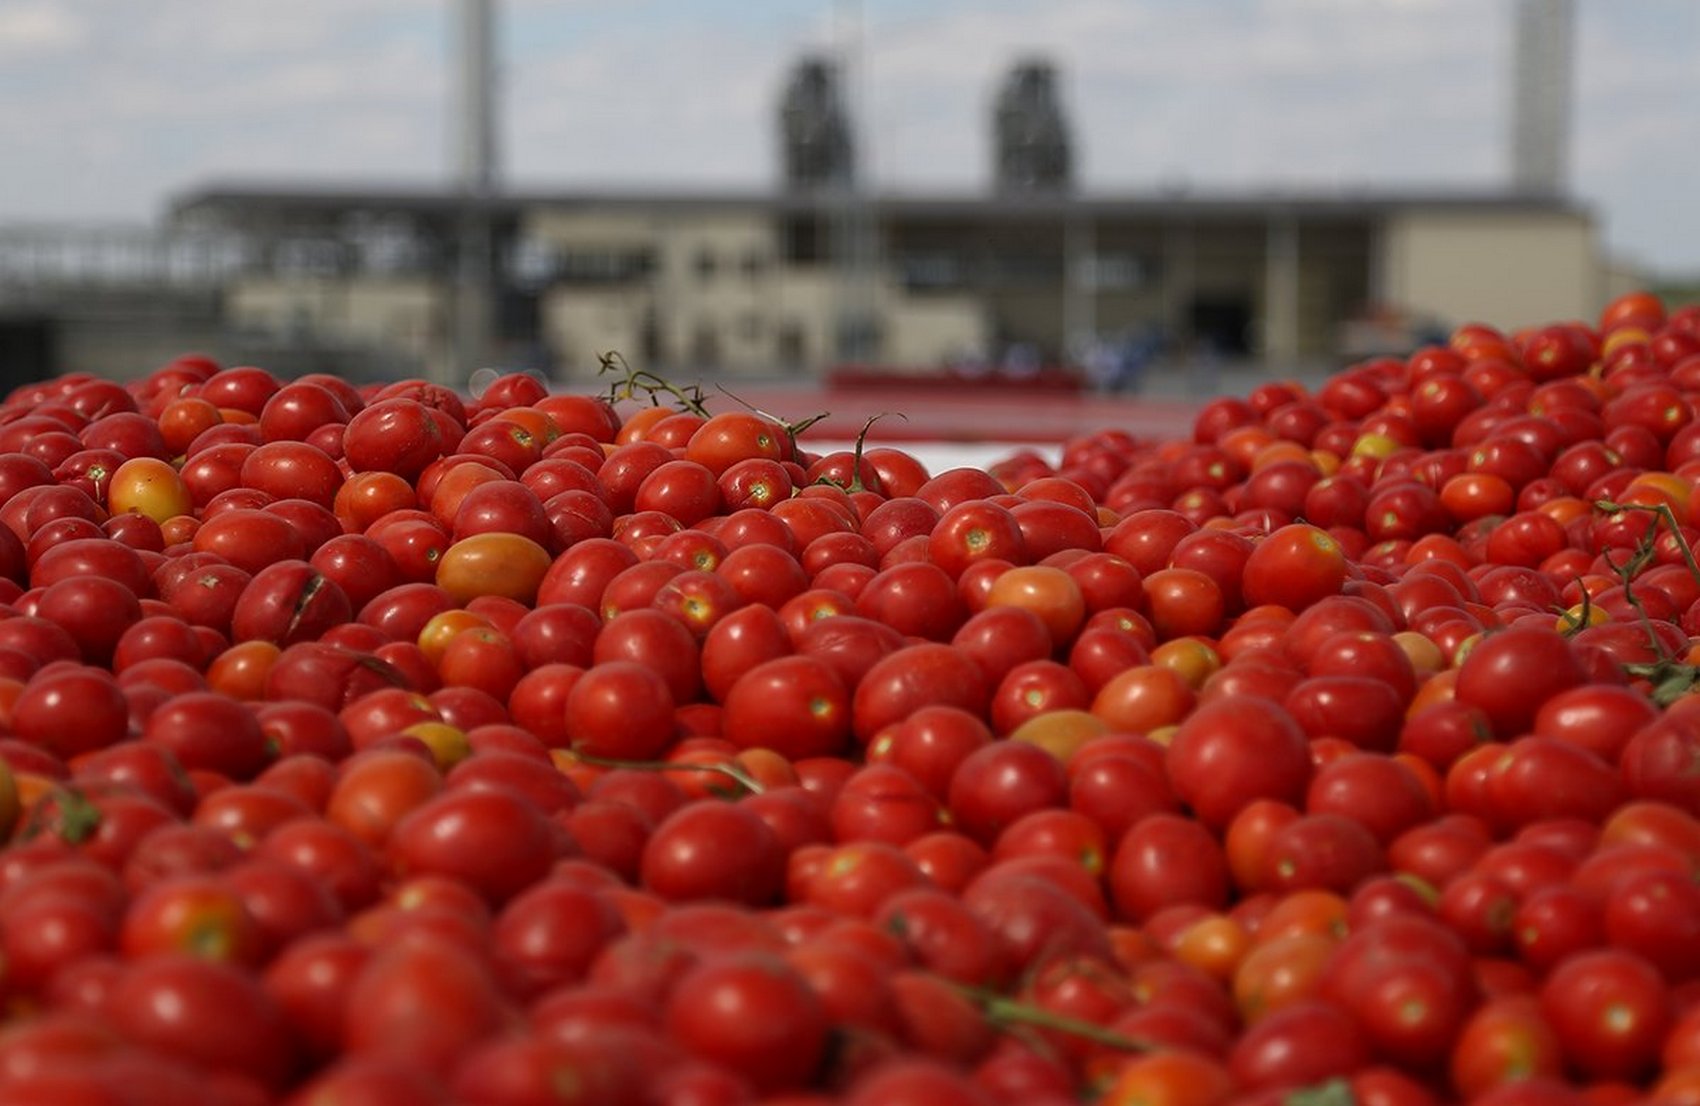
(817, 271)
(749, 284)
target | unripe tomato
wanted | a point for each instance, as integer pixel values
(150, 487)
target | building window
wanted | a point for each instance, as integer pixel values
(705, 346)
(603, 266)
(754, 264)
(921, 272)
(309, 257)
(804, 240)
(1117, 271)
(793, 345)
(705, 264)
(1027, 268)
(749, 327)
(534, 263)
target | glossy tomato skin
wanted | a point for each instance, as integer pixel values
(1511, 674)
(996, 784)
(423, 1002)
(494, 840)
(795, 705)
(1232, 751)
(1305, 1043)
(1610, 1010)
(393, 435)
(913, 677)
(203, 1012)
(754, 1015)
(1165, 860)
(71, 711)
(710, 849)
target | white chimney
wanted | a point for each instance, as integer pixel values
(1540, 98)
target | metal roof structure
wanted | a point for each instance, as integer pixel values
(308, 199)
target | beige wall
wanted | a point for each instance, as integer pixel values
(1621, 278)
(729, 309)
(581, 324)
(590, 227)
(400, 313)
(934, 330)
(1504, 268)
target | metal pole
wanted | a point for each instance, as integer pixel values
(1080, 286)
(1540, 104)
(476, 176)
(854, 230)
(1281, 293)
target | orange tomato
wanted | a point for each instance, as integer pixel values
(151, 487)
(1143, 699)
(1060, 732)
(375, 791)
(1214, 944)
(638, 424)
(1437, 688)
(535, 422)
(1473, 495)
(1244, 443)
(1183, 602)
(366, 497)
(1281, 450)
(240, 671)
(508, 565)
(1278, 973)
(1194, 659)
(1639, 309)
(455, 484)
(442, 628)
(447, 743)
(183, 420)
(10, 805)
(1048, 592)
(1170, 1078)
(1312, 910)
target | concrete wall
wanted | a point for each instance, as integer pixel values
(403, 313)
(581, 324)
(934, 330)
(1508, 269)
(711, 290)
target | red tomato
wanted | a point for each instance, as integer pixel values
(495, 841)
(1232, 751)
(796, 706)
(1166, 860)
(1610, 1010)
(620, 709)
(1511, 674)
(906, 680)
(204, 1012)
(754, 1015)
(711, 849)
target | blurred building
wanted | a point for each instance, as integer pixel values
(814, 272)
(746, 283)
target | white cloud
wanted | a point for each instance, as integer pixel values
(38, 28)
(145, 99)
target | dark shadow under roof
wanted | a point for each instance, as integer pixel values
(282, 199)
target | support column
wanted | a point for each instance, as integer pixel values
(1180, 275)
(1080, 293)
(475, 139)
(1281, 293)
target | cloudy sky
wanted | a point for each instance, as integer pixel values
(113, 106)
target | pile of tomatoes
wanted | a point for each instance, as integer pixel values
(379, 745)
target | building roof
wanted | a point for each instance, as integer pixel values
(263, 199)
